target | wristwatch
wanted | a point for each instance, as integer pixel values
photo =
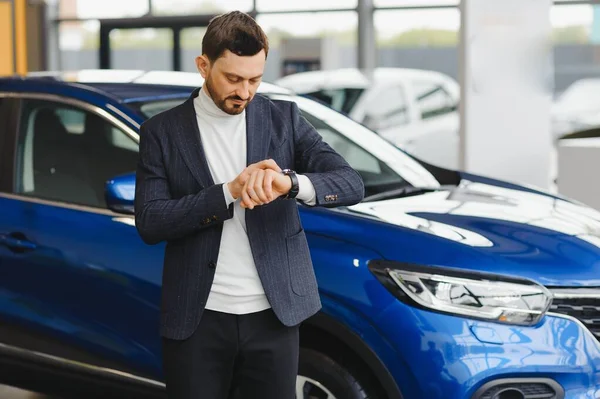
(295, 188)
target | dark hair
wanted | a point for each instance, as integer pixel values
(235, 31)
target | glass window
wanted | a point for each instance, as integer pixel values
(342, 100)
(343, 25)
(432, 100)
(576, 35)
(72, 119)
(143, 49)
(152, 108)
(413, 3)
(79, 45)
(102, 9)
(293, 44)
(198, 7)
(67, 154)
(574, 24)
(387, 108)
(191, 47)
(377, 176)
(419, 39)
(270, 5)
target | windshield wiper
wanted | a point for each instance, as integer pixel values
(405, 192)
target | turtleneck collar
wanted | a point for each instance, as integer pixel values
(205, 103)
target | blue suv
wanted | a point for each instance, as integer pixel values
(440, 284)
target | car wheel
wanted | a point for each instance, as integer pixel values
(321, 377)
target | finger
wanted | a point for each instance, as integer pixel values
(268, 185)
(246, 201)
(258, 187)
(269, 164)
(251, 188)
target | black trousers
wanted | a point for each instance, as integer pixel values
(233, 357)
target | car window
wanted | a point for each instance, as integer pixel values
(432, 99)
(153, 108)
(387, 109)
(342, 100)
(67, 154)
(407, 169)
(376, 175)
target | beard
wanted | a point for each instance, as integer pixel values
(232, 109)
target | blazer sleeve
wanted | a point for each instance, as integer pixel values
(158, 217)
(336, 183)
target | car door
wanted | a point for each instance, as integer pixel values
(437, 124)
(388, 112)
(76, 280)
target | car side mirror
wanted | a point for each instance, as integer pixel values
(120, 193)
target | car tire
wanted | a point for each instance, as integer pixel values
(321, 377)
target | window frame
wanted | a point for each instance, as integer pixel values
(15, 121)
(439, 85)
(407, 110)
(9, 111)
(347, 107)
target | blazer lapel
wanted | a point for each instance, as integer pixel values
(258, 130)
(190, 143)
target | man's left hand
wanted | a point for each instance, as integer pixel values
(263, 187)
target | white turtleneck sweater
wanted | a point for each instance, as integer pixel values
(236, 288)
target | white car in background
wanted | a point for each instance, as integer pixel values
(416, 110)
(577, 108)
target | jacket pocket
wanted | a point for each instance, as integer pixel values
(302, 275)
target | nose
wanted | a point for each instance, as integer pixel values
(243, 91)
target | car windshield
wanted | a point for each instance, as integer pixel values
(382, 166)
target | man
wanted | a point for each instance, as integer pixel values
(215, 181)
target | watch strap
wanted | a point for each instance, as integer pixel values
(293, 193)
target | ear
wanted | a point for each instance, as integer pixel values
(203, 65)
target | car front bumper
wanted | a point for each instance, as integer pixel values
(453, 357)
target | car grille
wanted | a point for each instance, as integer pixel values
(527, 390)
(523, 388)
(582, 306)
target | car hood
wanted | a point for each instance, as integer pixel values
(497, 229)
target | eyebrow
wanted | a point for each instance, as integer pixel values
(233, 75)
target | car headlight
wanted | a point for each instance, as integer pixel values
(476, 295)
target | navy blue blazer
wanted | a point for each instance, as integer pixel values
(178, 202)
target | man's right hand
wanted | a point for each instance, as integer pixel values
(236, 187)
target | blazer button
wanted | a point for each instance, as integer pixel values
(212, 264)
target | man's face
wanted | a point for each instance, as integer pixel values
(232, 80)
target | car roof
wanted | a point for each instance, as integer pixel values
(305, 82)
(131, 85)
